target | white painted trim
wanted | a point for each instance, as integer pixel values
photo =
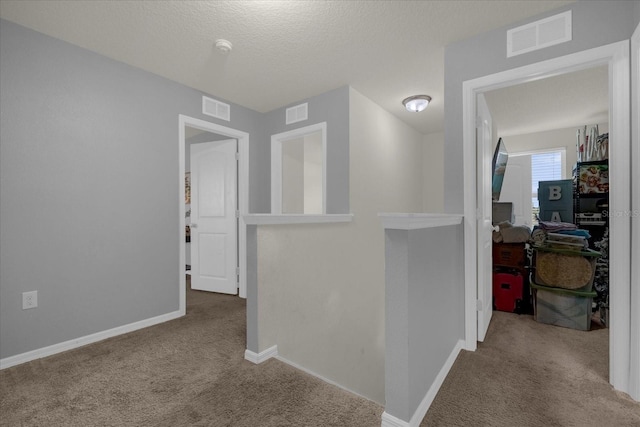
(283, 219)
(634, 356)
(320, 377)
(391, 421)
(425, 404)
(263, 356)
(417, 417)
(88, 339)
(243, 197)
(276, 163)
(414, 221)
(616, 56)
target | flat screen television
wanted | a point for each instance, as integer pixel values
(500, 157)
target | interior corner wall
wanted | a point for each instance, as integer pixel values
(486, 54)
(433, 173)
(89, 189)
(322, 286)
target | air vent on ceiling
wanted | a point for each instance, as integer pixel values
(297, 113)
(216, 109)
(540, 34)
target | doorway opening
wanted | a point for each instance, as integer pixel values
(616, 58)
(192, 127)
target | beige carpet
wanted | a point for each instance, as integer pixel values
(191, 372)
(186, 372)
(530, 374)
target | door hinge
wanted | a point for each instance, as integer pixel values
(237, 214)
(237, 156)
(479, 305)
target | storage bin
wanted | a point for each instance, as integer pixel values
(508, 292)
(593, 177)
(510, 255)
(567, 269)
(562, 307)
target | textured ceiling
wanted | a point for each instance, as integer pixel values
(575, 99)
(283, 51)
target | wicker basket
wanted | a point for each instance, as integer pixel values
(565, 269)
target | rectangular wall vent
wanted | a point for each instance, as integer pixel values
(540, 34)
(297, 113)
(216, 109)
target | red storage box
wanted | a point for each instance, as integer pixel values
(508, 289)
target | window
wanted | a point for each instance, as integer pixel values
(545, 166)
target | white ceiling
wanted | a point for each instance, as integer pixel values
(285, 51)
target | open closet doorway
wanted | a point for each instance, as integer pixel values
(615, 58)
(218, 155)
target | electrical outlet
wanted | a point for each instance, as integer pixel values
(29, 300)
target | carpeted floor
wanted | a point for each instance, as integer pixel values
(191, 372)
(530, 374)
(186, 372)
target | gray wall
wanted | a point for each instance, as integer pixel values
(89, 189)
(595, 23)
(423, 305)
(331, 107)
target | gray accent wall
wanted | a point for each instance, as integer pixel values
(422, 309)
(595, 23)
(89, 189)
(331, 107)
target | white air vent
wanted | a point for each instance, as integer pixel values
(216, 109)
(297, 113)
(540, 34)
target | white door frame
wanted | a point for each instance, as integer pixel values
(243, 198)
(616, 57)
(634, 385)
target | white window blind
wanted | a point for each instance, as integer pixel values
(544, 167)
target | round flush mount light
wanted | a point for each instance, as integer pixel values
(223, 46)
(416, 103)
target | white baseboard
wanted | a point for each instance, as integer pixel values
(8, 362)
(391, 421)
(263, 356)
(320, 377)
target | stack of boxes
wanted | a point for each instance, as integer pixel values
(564, 268)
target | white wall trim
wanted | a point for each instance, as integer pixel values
(391, 421)
(616, 56)
(243, 197)
(320, 377)
(413, 221)
(263, 356)
(284, 219)
(634, 375)
(276, 163)
(88, 339)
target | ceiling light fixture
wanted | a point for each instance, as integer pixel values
(416, 103)
(224, 46)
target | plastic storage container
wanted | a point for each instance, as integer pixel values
(567, 269)
(508, 292)
(562, 307)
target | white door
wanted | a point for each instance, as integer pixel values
(214, 238)
(516, 188)
(485, 143)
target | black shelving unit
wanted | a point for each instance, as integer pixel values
(591, 213)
